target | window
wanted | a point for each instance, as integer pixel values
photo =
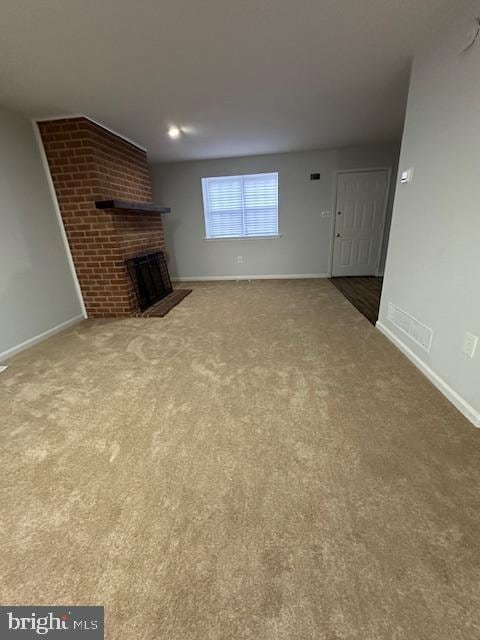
(241, 206)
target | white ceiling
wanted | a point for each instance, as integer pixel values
(242, 77)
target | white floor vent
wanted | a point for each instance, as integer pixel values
(409, 325)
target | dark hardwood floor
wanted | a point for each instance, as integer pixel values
(363, 292)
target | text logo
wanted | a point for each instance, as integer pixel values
(52, 622)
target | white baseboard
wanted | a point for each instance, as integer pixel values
(41, 336)
(460, 403)
(290, 276)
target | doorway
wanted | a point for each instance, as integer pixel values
(361, 204)
(359, 222)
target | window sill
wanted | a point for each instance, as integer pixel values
(231, 238)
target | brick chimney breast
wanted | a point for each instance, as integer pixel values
(88, 163)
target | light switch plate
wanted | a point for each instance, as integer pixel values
(325, 214)
(470, 342)
(406, 176)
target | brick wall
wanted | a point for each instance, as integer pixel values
(89, 163)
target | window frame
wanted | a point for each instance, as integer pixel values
(271, 236)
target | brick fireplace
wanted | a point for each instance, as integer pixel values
(91, 168)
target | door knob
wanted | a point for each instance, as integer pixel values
(337, 235)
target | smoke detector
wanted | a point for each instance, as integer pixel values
(472, 36)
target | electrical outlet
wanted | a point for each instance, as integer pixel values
(469, 344)
(239, 259)
(325, 214)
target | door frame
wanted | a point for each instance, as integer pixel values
(388, 169)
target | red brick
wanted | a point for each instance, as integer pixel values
(88, 163)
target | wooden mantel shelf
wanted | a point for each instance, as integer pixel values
(126, 205)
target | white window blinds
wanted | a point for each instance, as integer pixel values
(241, 206)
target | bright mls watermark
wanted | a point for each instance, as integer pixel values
(52, 622)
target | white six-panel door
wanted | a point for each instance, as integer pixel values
(359, 222)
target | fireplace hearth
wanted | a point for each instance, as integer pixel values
(150, 278)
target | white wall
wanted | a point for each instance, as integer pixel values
(433, 264)
(37, 288)
(304, 246)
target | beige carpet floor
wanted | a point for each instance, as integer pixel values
(261, 464)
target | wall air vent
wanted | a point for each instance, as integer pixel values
(409, 325)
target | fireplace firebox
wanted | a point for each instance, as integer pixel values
(151, 281)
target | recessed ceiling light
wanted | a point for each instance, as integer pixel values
(174, 132)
